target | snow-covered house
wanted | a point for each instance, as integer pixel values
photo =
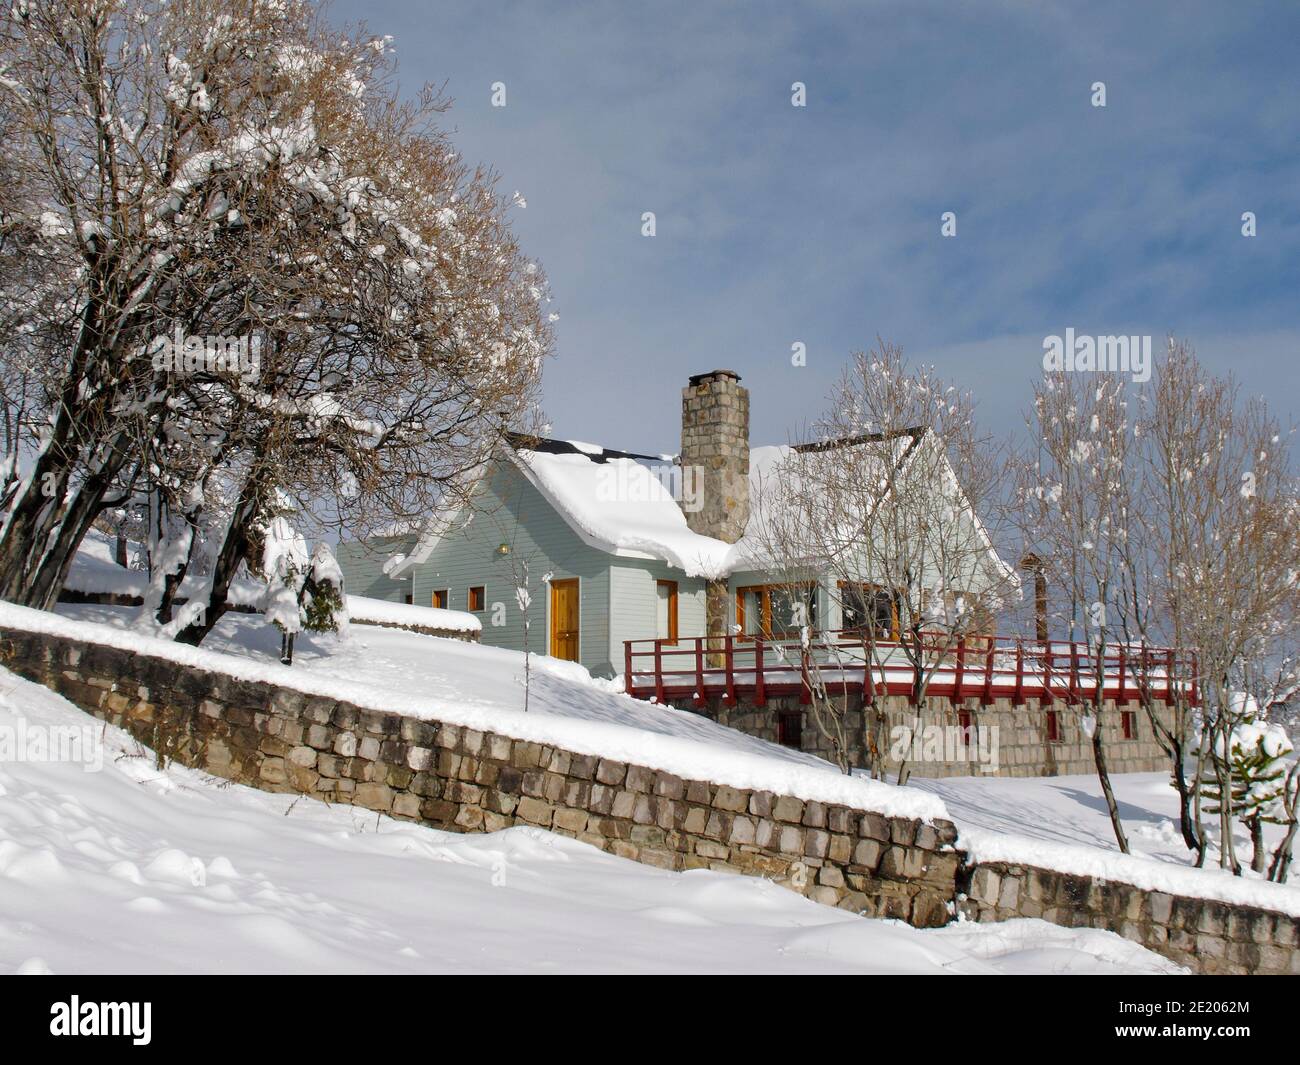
(610, 545)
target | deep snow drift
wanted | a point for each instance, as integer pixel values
(129, 869)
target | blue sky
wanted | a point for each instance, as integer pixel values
(821, 224)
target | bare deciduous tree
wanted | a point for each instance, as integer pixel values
(1076, 500)
(219, 169)
(1166, 515)
(884, 504)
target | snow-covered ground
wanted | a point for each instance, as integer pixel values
(130, 869)
(1072, 810)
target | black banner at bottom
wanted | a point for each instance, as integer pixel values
(168, 1013)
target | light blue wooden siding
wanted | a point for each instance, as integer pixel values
(508, 509)
(362, 563)
(633, 603)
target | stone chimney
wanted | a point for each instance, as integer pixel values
(715, 452)
(1032, 564)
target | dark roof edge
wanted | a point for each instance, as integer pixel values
(528, 442)
(916, 432)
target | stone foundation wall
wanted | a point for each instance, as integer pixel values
(462, 779)
(1018, 734)
(1202, 934)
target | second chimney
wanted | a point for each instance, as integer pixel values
(715, 452)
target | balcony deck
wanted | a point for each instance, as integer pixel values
(985, 668)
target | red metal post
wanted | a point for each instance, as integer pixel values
(988, 674)
(659, 671)
(729, 651)
(699, 671)
(961, 670)
(1020, 672)
(627, 666)
(760, 693)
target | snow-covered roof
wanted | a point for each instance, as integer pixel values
(629, 505)
(620, 503)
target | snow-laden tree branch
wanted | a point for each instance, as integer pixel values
(258, 269)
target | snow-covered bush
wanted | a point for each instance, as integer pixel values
(303, 594)
(324, 603)
(1251, 756)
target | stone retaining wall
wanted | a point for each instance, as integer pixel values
(462, 779)
(1205, 935)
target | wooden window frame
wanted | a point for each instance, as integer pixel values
(894, 624)
(672, 609)
(441, 598)
(470, 596)
(765, 607)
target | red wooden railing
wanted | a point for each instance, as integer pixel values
(972, 667)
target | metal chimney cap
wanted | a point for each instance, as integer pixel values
(698, 378)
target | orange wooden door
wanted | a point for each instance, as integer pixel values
(564, 620)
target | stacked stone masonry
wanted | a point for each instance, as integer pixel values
(715, 449)
(461, 779)
(1202, 934)
(1018, 735)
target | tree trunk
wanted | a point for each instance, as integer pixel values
(79, 517)
(1223, 775)
(32, 518)
(1259, 857)
(1203, 842)
(1186, 817)
(1103, 775)
(1282, 856)
(38, 509)
(1172, 742)
(234, 550)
